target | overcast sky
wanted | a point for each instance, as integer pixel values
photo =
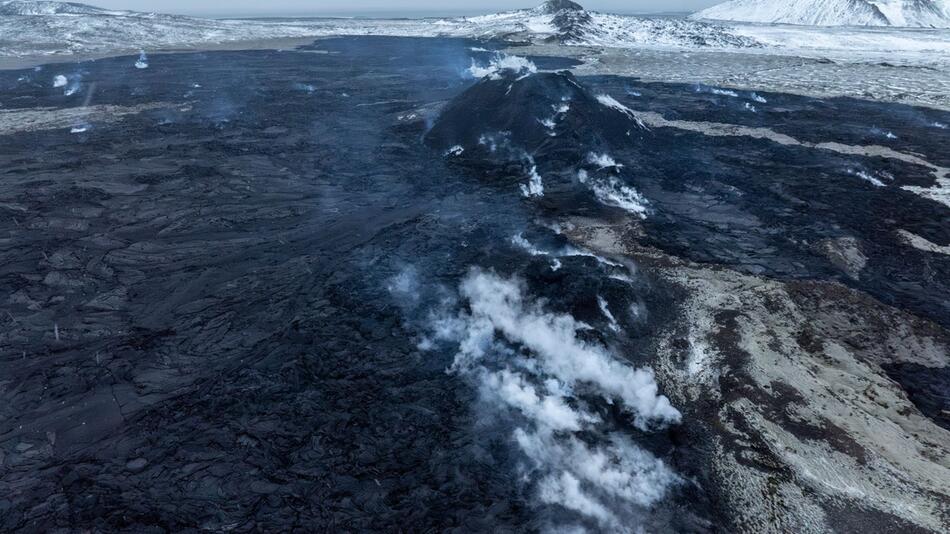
(357, 7)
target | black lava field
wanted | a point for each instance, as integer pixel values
(234, 310)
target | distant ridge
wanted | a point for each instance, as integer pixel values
(567, 22)
(553, 6)
(898, 13)
(39, 7)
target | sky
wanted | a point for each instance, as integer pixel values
(380, 7)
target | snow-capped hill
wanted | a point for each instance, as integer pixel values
(552, 7)
(45, 9)
(34, 8)
(570, 19)
(569, 23)
(923, 13)
(804, 12)
(41, 27)
(911, 13)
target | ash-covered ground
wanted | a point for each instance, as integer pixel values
(353, 287)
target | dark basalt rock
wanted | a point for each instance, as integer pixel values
(572, 26)
(570, 19)
(515, 107)
(928, 388)
(547, 123)
(220, 350)
(554, 6)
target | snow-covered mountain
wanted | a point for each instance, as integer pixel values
(909, 13)
(40, 27)
(30, 27)
(47, 27)
(569, 23)
(15, 7)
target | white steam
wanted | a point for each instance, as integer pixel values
(499, 311)
(724, 92)
(528, 363)
(867, 177)
(566, 491)
(500, 143)
(526, 245)
(613, 193)
(618, 470)
(405, 286)
(499, 306)
(605, 309)
(70, 85)
(549, 411)
(142, 62)
(603, 161)
(716, 91)
(501, 63)
(535, 186)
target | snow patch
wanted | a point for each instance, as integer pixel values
(915, 13)
(923, 244)
(611, 102)
(521, 242)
